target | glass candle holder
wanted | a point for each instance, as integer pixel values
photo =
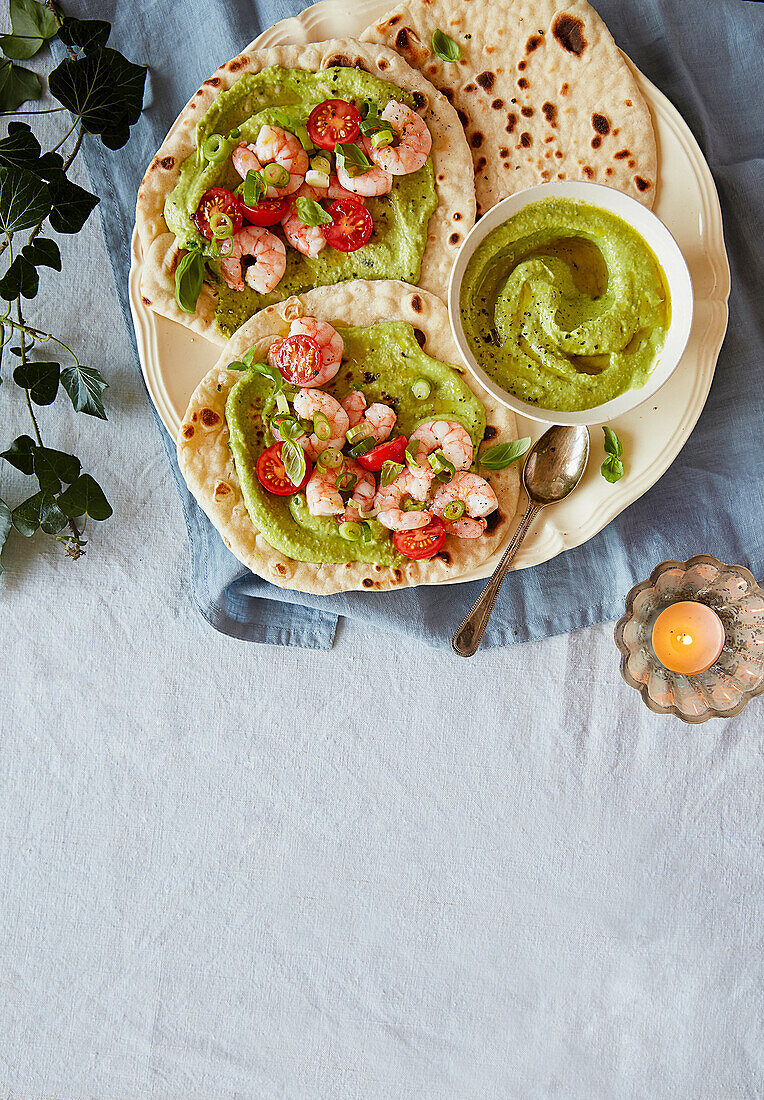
(734, 678)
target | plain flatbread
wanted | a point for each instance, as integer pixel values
(542, 89)
(207, 464)
(452, 163)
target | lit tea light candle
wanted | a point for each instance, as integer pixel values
(688, 637)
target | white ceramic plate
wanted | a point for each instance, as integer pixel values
(174, 360)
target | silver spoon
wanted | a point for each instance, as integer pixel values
(553, 468)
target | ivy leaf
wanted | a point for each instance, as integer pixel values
(85, 497)
(52, 467)
(21, 454)
(43, 253)
(72, 205)
(88, 34)
(40, 510)
(85, 387)
(104, 90)
(20, 149)
(49, 164)
(5, 526)
(32, 24)
(20, 278)
(17, 86)
(41, 379)
(24, 199)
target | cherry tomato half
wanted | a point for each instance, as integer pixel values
(422, 543)
(332, 121)
(272, 475)
(351, 227)
(298, 358)
(216, 200)
(394, 450)
(267, 211)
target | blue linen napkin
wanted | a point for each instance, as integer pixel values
(709, 60)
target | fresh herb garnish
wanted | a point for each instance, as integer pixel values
(444, 46)
(104, 92)
(189, 276)
(612, 468)
(253, 188)
(504, 454)
(353, 160)
(311, 212)
(293, 457)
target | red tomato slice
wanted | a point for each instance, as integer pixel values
(298, 358)
(216, 200)
(394, 450)
(351, 227)
(272, 475)
(332, 121)
(422, 543)
(267, 211)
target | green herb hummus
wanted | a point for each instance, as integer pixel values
(285, 97)
(565, 305)
(383, 361)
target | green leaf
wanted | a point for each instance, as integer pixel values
(24, 199)
(613, 445)
(49, 164)
(43, 253)
(72, 205)
(353, 159)
(293, 457)
(32, 24)
(504, 454)
(310, 212)
(253, 188)
(41, 379)
(104, 90)
(5, 526)
(88, 34)
(20, 149)
(612, 469)
(21, 454)
(20, 278)
(444, 46)
(265, 369)
(52, 467)
(85, 386)
(17, 86)
(40, 510)
(85, 497)
(189, 276)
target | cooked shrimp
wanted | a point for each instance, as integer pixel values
(364, 491)
(390, 497)
(335, 190)
(307, 239)
(322, 494)
(274, 145)
(474, 492)
(465, 528)
(328, 339)
(414, 141)
(354, 405)
(378, 419)
(244, 159)
(306, 404)
(373, 182)
(265, 249)
(448, 436)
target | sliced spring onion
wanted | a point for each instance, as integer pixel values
(221, 225)
(254, 188)
(382, 138)
(235, 133)
(363, 447)
(214, 148)
(441, 467)
(319, 180)
(421, 389)
(390, 470)
(360, 431)
(321, 426)
(453, 510)
(351, 530)
(275, 175)
(408, 504)
(346, 481)
(281, 402)
(302, 135)
(321, 164)
(365, 530)
(330, 459)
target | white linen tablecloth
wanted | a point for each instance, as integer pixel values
(229, 870)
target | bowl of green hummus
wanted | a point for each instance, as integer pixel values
(571, 303)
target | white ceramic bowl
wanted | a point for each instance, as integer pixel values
(667, 253)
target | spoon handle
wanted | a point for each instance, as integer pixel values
(468, 637)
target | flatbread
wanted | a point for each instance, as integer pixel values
(452, 163)
(207, 464)
(542, 89)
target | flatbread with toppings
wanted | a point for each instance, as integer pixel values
(542, 90)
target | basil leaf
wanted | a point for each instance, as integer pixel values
(612, 469)
(17, 86)
(285, 120)
(72, 205)
(263, 368)
(104, 90)
(24, 199)
(85, 497)
(444, 46)
(20, 278)
(293, 457)
(613, 445)
(20, 149)
(504, 454)
(52, 467)
(32, 24)
(390, 471)
(189, 276)
(85, 387)
(310, 212)
(411, 452)
(21, 454)
(5, 526)
(88, 34)
(352, 159)
(41, 379)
